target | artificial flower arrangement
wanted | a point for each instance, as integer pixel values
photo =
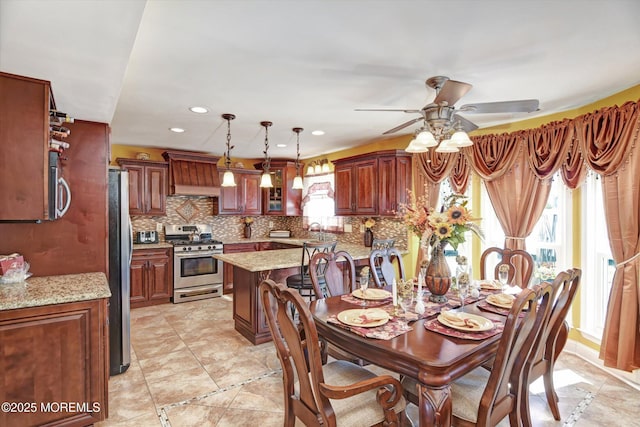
(446, 226)
(248, 220)
(369, 223)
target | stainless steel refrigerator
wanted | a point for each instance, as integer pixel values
(120, 250)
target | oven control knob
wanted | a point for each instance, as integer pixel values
(189, 248)
(209, 247)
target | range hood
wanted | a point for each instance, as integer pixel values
(193, 174)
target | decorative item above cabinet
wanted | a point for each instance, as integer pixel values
(372, 184)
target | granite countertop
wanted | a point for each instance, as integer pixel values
(38, 291)
(283, 258)
(159, 245)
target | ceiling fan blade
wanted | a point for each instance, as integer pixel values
(520, 106)
(467, 125)
(387, 109)
(402, 126)
(451, 92)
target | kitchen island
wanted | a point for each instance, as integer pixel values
(251, 268)
(54, 360)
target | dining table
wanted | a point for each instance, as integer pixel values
(430, 357)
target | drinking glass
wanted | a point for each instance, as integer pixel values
(364, 284)
(405, 294)
(503, 276)
(463, 291)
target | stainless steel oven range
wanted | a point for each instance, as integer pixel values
(196, 274)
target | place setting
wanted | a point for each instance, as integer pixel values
(460, 324)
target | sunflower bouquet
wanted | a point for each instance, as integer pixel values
(446, 226)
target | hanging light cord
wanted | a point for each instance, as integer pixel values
(227, 160)
(266, 165)
(297, 131)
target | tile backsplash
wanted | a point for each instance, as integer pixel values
(198, 210)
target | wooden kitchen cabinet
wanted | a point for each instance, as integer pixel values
(394, 179)
(243, 199)
(356, 187)
(151, 277)
(281, 199)
(372, 184)
(147, 186)
(24, 137)
(52, 355)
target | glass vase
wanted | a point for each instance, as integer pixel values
(438, 275)
(368, 237)
(247, 231)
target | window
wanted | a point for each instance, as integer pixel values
(550, 241)
(597, 262)
(318, 205)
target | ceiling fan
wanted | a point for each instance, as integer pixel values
(442, 121)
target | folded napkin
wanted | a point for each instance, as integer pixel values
(503, 299)
(490, 284)
(371, 316)
(456, 319)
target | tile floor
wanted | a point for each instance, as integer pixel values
(190, 368)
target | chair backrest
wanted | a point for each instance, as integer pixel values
(327, 278)
(565, 288)
(309, 249)
(299, 353)
(383, 243)
(530, 311)
(382, 268)
(520, 265)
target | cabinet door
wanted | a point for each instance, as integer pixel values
(155, 190)
(136, 190)
(230, 202)
(386, 185)
(366, 197)
(252, 194)
(344, 189)
(139, 275)
(160, 278)
(275, 196)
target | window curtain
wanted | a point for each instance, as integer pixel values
(608, 141)
(522, 164)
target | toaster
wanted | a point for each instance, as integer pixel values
(146, 237)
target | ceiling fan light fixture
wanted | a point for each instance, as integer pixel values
(414, 147)
(461, 139)
(447, 146)
(265, 181)
(426, 138)
(228, 180)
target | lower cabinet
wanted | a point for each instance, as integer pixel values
(54, 362)
(151, 277)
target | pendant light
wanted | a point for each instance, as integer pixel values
(297, 181)
(228, 179)
(265, 181)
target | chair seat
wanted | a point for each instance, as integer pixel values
(299, 281)
(466, 393)
(362, 409)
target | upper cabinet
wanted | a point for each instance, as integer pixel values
(24, 137)
(147, 186)
(243, 199)
(281, 199)
(372, 184)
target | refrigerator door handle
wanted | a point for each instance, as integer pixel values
(130, 242)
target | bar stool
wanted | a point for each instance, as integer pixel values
(302, 281)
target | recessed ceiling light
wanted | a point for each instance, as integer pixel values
(199, 110)
(317, 132)
(281, 145)
(176, 130)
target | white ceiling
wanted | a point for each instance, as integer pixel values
(139, 65)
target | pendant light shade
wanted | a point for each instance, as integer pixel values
(265, 181)
(297, 181)
(228, 180)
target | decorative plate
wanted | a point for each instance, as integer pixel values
(480, 323)
(372, 294)
(365, 318)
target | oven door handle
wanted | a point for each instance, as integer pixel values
(194, 254)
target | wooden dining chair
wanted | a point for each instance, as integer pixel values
(302, 281)
(552, 340)
(517, 260)
(483, 398)
(328, 278)
(382, 268)
(339, 392)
